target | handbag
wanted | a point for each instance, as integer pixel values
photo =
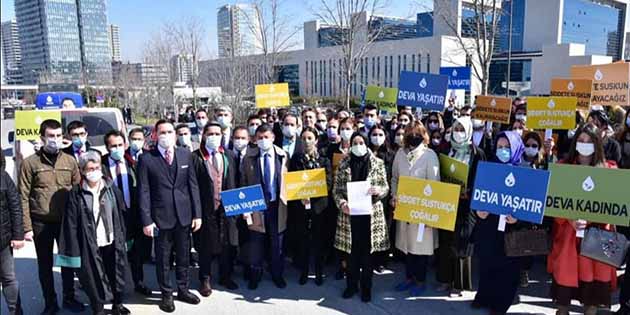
(527, 242)
(608, 247)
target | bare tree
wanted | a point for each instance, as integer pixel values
(357, 27)
(158, 96)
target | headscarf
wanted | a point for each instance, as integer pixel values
(461, 151)
(517, 148)
(359, 164)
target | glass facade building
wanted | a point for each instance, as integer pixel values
(520, 71)
(518, 26)
(95, 51)
(392, 28)
(290, 74)
(238, 30)
(424, 24)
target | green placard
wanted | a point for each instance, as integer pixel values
(453, 171)
(381, 94)
(593, 194)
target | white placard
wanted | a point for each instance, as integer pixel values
(359, 200)
(502, 221)
(420, 233)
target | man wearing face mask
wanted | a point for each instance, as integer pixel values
(77, 133)
(47, 173)
(612, 149)
(481, 139)
(136, 144)
(169, 210)
(201, 119)
(370, 119)
(223, 115)
(253, 122)
(119, 167)
(218, 236)
(184, 138)
(266, 166)
(290, 142)
(93, 236)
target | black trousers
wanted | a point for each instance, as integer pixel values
(226, 259)
(138, 255)
(416, 267)
(45, 234)
(177, 238)
(108, 254)
(360, 260)
(311, 242)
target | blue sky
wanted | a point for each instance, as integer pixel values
(139, 18)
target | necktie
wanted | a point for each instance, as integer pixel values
(168, 156)
(267, 177)
(215, 162)
(119, 180)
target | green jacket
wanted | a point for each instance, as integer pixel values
(44, 187)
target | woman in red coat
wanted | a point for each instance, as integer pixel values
(575, 276)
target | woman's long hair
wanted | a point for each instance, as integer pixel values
(598, 156)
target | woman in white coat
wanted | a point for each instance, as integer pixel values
(415, 159)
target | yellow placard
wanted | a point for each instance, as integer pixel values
(272, 95)
(611, 82)
(580, 88)
(551, 112)
(306, 184)
(27, 122)
(492, 108)
(428, 202)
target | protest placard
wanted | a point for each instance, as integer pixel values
(611, 82)
(306, 184)
(242, 200)
(458, 77)
(27, 122)
(453, 171)
(579, 88)
(493, 108)
(551, 112)
(272, 95)
(428, 202)
(424, 90)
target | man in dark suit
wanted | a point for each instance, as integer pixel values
(290, 141)
(77, 133)
(120, 168)
(169, 209)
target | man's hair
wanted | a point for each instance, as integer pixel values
(113, 133)
(238, 129)
(136, 130)
(162, 122)
(252, 117)
(264, 128)
(223, 108)
(211, 124)
(297, 121)
(48, 124)
(370, 107)
(201, 110)
(74, 125)
(181, 126)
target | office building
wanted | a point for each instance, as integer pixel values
(113, 33)
(140, 74)
(238, 30)
(183, 68)
(12, 54)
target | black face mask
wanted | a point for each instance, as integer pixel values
(414, 140)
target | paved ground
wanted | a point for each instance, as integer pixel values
(296, 299)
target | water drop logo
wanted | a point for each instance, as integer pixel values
(570, 86)
(241, 195)
(428, 191)
(598, 75)
(588, 184)
(452, 168)
(551, 104)
(304, 176)
(454, 73)
(510, 181)
(381, 94)
(38, 120)
(493, 103)
(423, 83)
(49, 100)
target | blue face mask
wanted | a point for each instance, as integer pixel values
(369, 122)
(77, 142)
(117, 154)
(503, 154)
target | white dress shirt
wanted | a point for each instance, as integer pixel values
(272, 166)
(125, 179)
(101, 234)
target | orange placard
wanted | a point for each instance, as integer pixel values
(493, 108)
(579, 88)
(611, 82)
(337, 157)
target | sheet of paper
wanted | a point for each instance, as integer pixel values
(420, 233)
(359, 201)
(502, 221)
(579, 233)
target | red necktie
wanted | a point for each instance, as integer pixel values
(168, 157)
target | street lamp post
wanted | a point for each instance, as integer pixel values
(509, 58)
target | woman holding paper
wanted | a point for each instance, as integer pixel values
(309, 213)
(498, 273)
(575, 276)
(360, 231)
(416, 160)
(455, 266)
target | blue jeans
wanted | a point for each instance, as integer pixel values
(10, 286)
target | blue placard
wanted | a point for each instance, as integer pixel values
(243, 200)
(424, 90)
(458, 77)
(505, 189)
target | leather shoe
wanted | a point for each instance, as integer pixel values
(188, 297)
(73, 305)
(206, 289)
(229, 284)
(349, 292)
(142, 289)
(279, 282)
(167, 305)
(366, 295)
(119, 309)
(51, 309)
(303, 278)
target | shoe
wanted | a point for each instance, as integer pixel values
(206, 289)
(404, 286)
(303, 279)
(279, 282)
(456, 292)
(379, 269)
(229, 284)
(341, 273)
(51, 309)
(348, 293)
(140, 288)
(366, 295)
(524, 282)
(188, 297)
(167, 305)
(119, 309)
(319, 279)
(74, 306)
(417, 290)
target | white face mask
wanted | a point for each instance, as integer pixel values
(252, 129)
(521, 117)
(399, 140)
(571, 133)
(346, 134)
(531, 152)
(185, 140)
(137, 145)
(322, 125)
(213, 142)
(225, 121)
(94, 176)
(265, 144)
(584, 148)
(240, 144)
(377, 140)
(201, 123)
(477, 123)
(459, 136)
(519, 131)
(436, 141)
(447, 137)
(289, 131)
(358, 150)
(166, 141)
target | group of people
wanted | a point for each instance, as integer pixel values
(109, 212)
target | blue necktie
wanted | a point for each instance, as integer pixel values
(267, 179)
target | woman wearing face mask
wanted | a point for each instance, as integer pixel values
(589, 281)
(434, 121)
(454, 266)
(378, 143)
(480, 138)
(498, 273)
(518, 126)
(360, 236)
(623, 138)
(398, 139)
(415, 160)
(309, 213)
(438, 143)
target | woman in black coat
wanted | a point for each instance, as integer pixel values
(309, 213)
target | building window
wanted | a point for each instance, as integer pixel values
(428, 63)
(413, 62)
(419, 62)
